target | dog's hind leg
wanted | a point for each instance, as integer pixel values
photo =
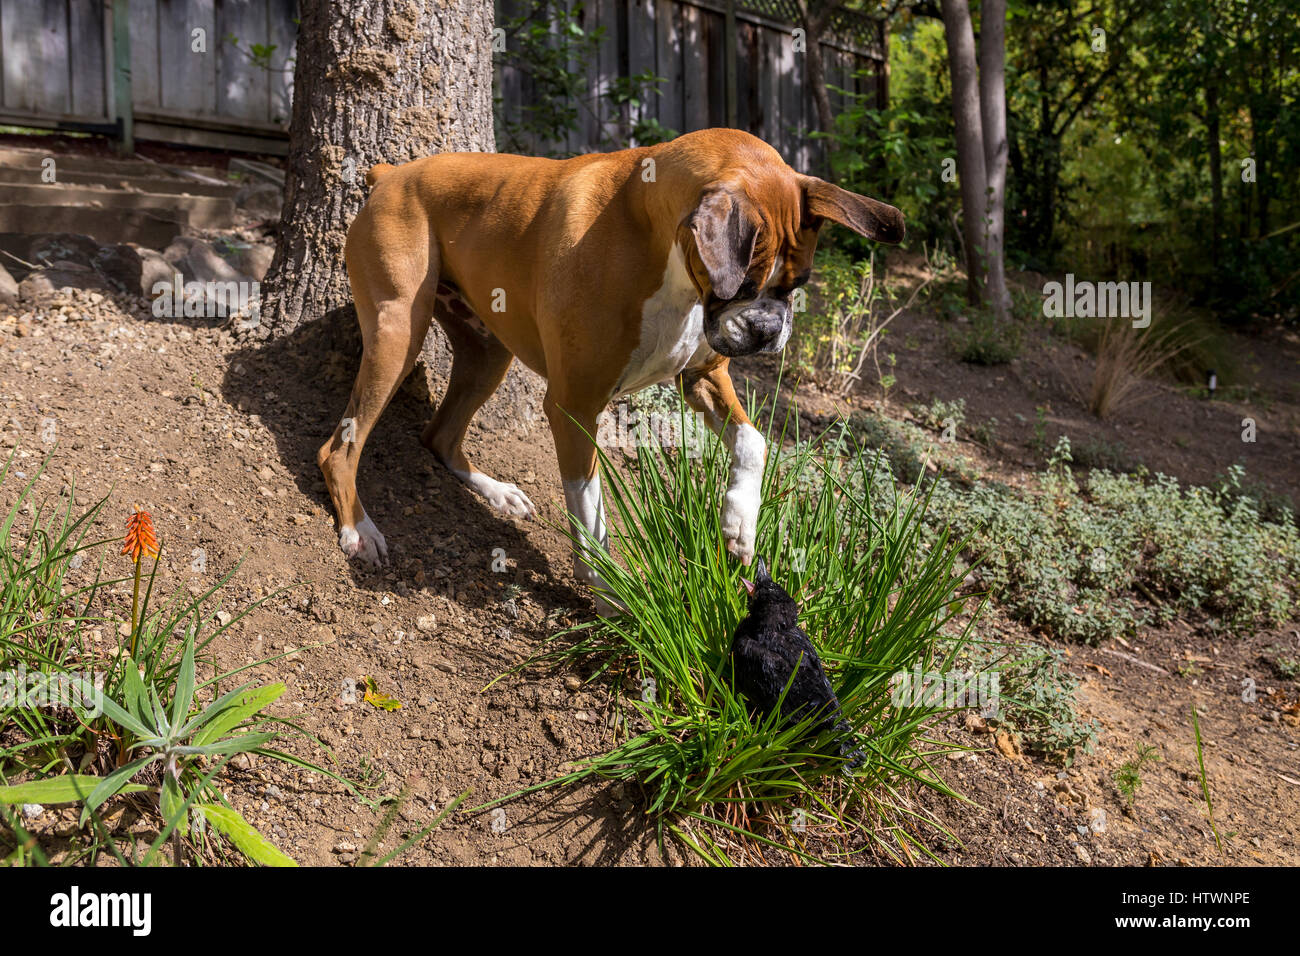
(393, 326)
(479, 364)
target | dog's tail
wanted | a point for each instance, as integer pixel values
(379, 169)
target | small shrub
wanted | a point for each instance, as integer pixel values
(903, 444)
(1036, 699)
(1069, 559)
(989, 342)
(939, 414)
(986, 433)
(1283, 661)
(1128, 778)
(1111, 456)
(826, 337)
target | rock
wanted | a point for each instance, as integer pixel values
(121, 265)
(976, 724)
(1007, 745)
(1082, 853)
(572, 683)
(260, 200)
(197, 261)
(32, 810)
(1097, 820)
(154, 269)
(252, 259)
(1066, 793)
(344, 847)
(426, 622)
(48, 281)
(8, 288)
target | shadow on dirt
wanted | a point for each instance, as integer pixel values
(298, 385)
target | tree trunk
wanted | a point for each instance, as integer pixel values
(971, 169)
(993, 113)
(375, 81)
(814, 16)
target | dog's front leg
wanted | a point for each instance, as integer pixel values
(574, 430)
(709, 391)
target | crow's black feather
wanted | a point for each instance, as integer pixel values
(768, 648)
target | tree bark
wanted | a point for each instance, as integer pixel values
(993, 114)
(814, 17)
(971, 169)
(375, 81)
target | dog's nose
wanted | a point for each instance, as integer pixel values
(765, 324)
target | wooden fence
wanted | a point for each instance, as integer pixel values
(685, 43)
(188, 83)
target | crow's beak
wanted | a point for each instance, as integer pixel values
(748, 585)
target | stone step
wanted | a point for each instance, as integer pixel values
(201, 212)
(152, 228)
(25, 175)
(34, 159)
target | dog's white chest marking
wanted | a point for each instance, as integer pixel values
(672, 330)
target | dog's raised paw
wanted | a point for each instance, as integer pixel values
(364, 542)
(501, 495)
(739, 528)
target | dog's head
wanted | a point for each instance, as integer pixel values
(753, 243)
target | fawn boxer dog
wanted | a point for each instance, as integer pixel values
(604, 274)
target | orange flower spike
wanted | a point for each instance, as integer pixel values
(140, 537)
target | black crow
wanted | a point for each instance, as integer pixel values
(768, 647)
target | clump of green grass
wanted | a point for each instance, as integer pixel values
(875, 600)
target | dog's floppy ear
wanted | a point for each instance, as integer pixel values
(865, 216)
(724, 233)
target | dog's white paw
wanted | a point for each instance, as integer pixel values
(745, 493)
(364, 542)
(739, 525)
(501, 495)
